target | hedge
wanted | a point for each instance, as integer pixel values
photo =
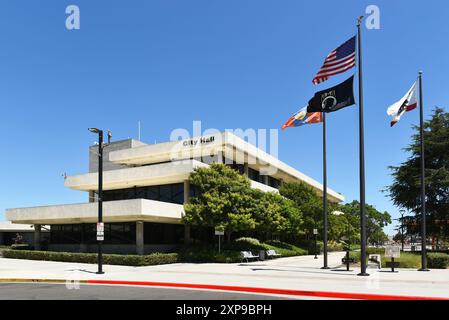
(112, 259)
(21, 247)
(285, 249)
(246, 243)
(230, 253)
(437, 260)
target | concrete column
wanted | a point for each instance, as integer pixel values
(186, 199)
(186, 191)
(246, 169)
(91, 196)
(140, 248)
(37, 237)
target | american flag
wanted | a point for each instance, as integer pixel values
(338, 61)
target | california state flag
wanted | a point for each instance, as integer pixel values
(407, 103)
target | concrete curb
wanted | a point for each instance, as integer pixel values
(273, 291)
(14, 280)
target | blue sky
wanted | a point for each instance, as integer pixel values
(230, 64)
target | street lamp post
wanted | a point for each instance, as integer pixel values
(100, 228)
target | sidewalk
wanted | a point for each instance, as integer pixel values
(295, 273)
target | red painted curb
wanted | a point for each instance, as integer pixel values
(304, 293)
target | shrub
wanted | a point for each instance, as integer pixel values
(334, 246)
(245, 243)
(437, 260)
(20, 247)
(113, 259)
(285, 249)
(279, 244)
(355, 255)
(208, 253)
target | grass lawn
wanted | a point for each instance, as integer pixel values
(412, 260)
(407, 260)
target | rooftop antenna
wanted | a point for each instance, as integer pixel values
(138, 128)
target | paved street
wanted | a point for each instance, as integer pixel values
(295, 273)
(46, 291)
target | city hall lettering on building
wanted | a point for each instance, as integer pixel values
(145, 187)
(201, 141)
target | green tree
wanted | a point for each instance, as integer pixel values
(310, 205)
(308, 202)
(224, 199)
(343, 227)
(405, 191)
(276, 215)
(375, 220)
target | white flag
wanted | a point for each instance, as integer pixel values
(407, 103)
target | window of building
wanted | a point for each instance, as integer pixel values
(165, 194)
(178, 193)
(65, 234)
(253, 174)
(114, 233)
(161, 233)
(152, 193)
(173, 193)
(273, 182)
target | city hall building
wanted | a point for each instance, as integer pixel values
(145, 187)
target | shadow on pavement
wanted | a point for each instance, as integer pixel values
(298, 271)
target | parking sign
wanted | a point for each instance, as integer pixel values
(100, 231)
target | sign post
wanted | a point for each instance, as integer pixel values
(219, 232)
(347, 248)
(315, 232)
(392, 252)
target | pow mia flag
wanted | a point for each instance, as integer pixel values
(334, 98)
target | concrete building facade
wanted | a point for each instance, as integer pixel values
(145, 187)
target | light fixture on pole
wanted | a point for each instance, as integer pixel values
(100, 224)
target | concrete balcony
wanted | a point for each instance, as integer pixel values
(157, 174)
(113, 211)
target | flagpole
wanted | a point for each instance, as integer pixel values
(325, 266)
(423, 187)
(362, 156)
